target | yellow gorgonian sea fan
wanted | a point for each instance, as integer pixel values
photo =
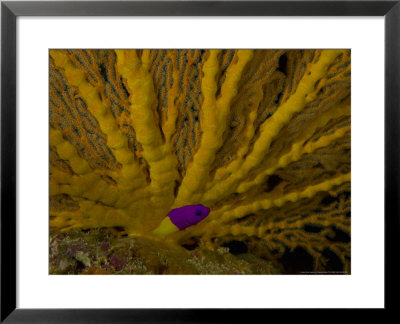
(261, 137)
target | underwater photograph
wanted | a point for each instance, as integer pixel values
(200, 161)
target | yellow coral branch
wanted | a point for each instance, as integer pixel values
(244, 140)
(159, 157)
(298, 149)
(68, 152)
(213, 120)
(216, 223)
(267, 203)
(90, 215)
(173, 94)
(131, 176)
(90, 186)
(209, 122)
(274, 124)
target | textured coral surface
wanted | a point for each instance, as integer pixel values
(100, 252)
(261, 137)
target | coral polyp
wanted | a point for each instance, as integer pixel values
(260, 137)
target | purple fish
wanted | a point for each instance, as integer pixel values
(188, 215)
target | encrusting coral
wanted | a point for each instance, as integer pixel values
(98, 251)
(261, 137)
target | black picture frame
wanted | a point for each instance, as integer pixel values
(11, 10)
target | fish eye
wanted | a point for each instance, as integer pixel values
(198, 212)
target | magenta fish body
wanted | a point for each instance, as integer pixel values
(189, 215)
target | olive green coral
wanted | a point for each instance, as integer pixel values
(262, 137)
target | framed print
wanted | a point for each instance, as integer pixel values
(163, 159)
